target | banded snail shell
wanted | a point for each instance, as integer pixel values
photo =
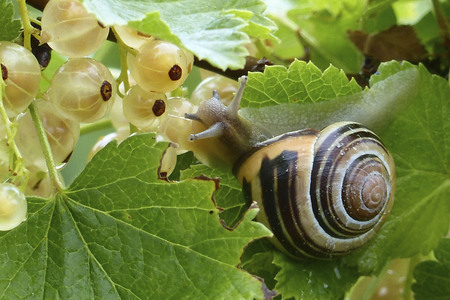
(323, 194)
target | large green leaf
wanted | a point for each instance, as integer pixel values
(432, 277)
(214, 30)
(9, 27)
(120, 232)
(282, 100)
(323, 25)
(312, 279)
(228, 197)
(419, 139)
(301, 82)
(410, 108)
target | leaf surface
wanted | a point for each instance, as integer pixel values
(323, 26)
(410, 109)
(433, 277)
(300, 83)
(9, 27)
(213, 30)
(228, 197)
(301, 96)
(313, 279)
(419, 140)
(119, 232)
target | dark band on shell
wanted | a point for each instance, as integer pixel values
(322, 193)
(310, 196)
(347, 149)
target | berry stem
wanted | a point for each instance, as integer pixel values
(53, 173)
(262, 49)
(370, 289)
(27, 28)
(92, 127)
(123, 77)
(16, 162)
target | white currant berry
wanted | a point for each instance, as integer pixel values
(225, 87)
(160, 66)
(83, 89)
(174, 127)
(168, 161)
(189, 61)
(38, 183)
(144, 109)
(206, 73)
(70, 29)
(62, 134)
(13, 206)
(131, 37)
(22, 76)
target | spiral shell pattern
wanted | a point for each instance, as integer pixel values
(323, 194)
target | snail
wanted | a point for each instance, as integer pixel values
(322, 193)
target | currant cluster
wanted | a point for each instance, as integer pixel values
(83, 90)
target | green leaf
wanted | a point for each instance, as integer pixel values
(323, 25)
(289, 46)
(23, 254)
(298, 279)
(409, 109)
(184, 161)
(213, 30)
(313, 279)
(228, 197)
(410, 12)
(9, 27)
(311, 99)
(432, 277)
(377, 7)
(379, 20)
(261, 264)
(119, 232)
(427, 29)
(442, 252)
(258, 25)
(419, 139)
(301, 82)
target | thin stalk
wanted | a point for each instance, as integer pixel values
(88, 128)
(27, 28)
(16, 161)
(35, 21)
(443, 23)
(262, 48)
(374, 283)
(51, 166)
(123, 77)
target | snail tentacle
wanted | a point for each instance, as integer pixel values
(213, 131)
(233, 107)
(192, 117)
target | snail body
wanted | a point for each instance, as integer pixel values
(322, 193)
